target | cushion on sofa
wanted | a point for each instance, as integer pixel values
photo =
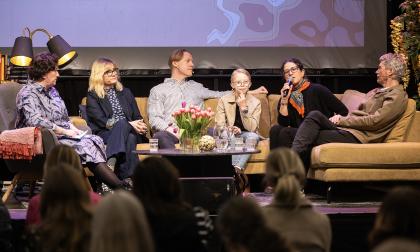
(400, 131)
(352, 99)
(273, 101)
(380, 155)
(414, 129)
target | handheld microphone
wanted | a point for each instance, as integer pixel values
(289, 82)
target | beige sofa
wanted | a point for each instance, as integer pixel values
(396, 160)
(255, 164)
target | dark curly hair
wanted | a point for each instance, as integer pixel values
(292, 60)
(43, 63)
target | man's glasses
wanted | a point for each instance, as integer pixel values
(291, 70)
(241, 83)
(111, 72)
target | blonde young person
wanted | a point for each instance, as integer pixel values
(240, 112)
(112, 114)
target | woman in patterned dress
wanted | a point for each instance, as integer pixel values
(40, 105)
(112, 114)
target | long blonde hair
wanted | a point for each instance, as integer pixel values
(285, 171)
(96, 79)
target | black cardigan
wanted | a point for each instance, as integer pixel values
(316, 97)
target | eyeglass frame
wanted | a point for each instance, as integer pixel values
(242, 83)
(111, 72)
(292, 69)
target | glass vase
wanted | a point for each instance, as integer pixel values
(189, 141)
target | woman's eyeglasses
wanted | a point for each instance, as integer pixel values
(111, 72)
(291, 70)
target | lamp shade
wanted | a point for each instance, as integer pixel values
(62, 49)
(22, 53)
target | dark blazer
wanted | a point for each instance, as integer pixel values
(99, 110)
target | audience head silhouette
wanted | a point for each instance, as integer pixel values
(286, 173)
(120, 224)
(243, 228)
(65, 210)
(398, 216)
(63, 154)
(156, 183)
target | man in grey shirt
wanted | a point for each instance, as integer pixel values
(166, 98)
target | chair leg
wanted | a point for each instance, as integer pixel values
(32, 188)
(329, 194)
(10, 188)
(86, 177)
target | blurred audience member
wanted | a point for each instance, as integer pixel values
(176, 226)
(65, 212)
(243, 228)
(398, 217)
(290, 213)
(397, 245)
(6, 229)
(119, 224)
(60, 154)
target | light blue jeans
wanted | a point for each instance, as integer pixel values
(241, 160)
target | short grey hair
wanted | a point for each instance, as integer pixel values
(396, 63)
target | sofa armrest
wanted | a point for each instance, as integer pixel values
(381, 155)
(80, 123)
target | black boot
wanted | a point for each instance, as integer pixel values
(106, 175)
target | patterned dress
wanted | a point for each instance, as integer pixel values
(37, 107)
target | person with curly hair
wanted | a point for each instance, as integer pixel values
(39, 105)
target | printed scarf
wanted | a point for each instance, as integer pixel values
(296, 97)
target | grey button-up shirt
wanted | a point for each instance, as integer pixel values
(166, 98)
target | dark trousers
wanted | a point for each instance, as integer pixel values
(317, 129)
(166, 140)
(120, 142)
(281, 136)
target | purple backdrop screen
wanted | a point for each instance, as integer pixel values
(194, 23)
(220, 33)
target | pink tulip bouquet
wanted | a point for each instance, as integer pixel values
(192, 121)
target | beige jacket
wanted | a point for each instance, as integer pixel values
(377, 116)
(226, 111)
(304, 227)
